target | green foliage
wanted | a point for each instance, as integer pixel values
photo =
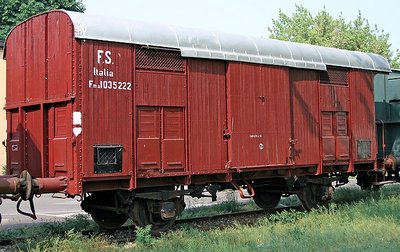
(77, 223)
(72, 241)
(14, 11)
(143, 235)
(370, 222)
(322, 29)
(229, 206)
(290, 216)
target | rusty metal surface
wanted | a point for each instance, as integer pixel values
(177, 119)
(258, 96)
(362, 111)
(16, 71)
(107, 117)
(8, 184)
(33, 126)
(39, 94)
(51, 185)
(335, 115)
(305, 116)
(17, 185)
(35, 58)
(207, 115)
(59, 56)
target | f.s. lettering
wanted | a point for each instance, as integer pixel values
(101, 69)
(104, 57)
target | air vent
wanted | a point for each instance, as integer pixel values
(364, 149)
(107, 158)
(155, 59)
(334, 76)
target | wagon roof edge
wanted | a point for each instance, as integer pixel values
(199, 43)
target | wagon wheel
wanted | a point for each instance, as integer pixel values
(106, 219)
(364, 181)
(313, 196)
(143, 216)
(266, 200)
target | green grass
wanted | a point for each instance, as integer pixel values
(355, 221)
(230, 205)
(370, 224)
(77, 223)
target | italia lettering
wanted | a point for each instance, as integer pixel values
(102, 72)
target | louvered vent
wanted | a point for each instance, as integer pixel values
(334, 76)
(341, 124)
(154, 59)
(107, 158)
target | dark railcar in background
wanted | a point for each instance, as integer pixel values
(133, 116)
(387, 112)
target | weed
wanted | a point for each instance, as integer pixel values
(368, 223)
(229, 206)
(290, 216)
(77, 223)
(143, 235)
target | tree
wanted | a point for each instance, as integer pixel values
(14, 11)
(324, 30)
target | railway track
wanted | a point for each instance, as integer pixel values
(127, 233)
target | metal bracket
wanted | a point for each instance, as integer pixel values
(162, 195)
(241, 193)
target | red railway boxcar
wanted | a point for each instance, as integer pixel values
(133, 116)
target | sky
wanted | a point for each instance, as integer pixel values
(247, 17)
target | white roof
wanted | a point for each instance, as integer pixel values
(197, 43)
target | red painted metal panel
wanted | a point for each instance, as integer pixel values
(29, 70)
(59, 56)
(267, 115)
(341, 124)
(342, 148)
(334, 98)
(15, 54)
(33, 141)
(149, 142)
(15, 142)
(160, 88)
(327, 123)
(207, 115)
(362, 115)
(328, 145)
(107, 97)
(342, 139)
(161, 140)
(328, 139)
(60, 141)
(173, 142)
(258, 96)
(335, 139)
(305, 118)
(35, 58)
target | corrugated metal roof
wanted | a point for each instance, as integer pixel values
(197, 43)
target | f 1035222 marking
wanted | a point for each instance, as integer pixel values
(116, 85)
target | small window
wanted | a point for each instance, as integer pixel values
(334, 76)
